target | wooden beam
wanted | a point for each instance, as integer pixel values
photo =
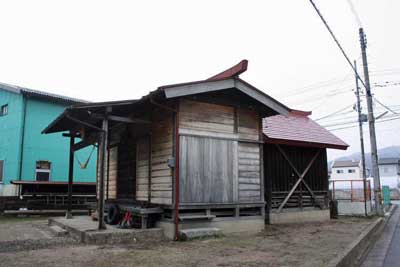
(86, 142)
(70, 135)
(301, 177)
(120, 118)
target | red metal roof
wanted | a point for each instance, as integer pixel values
(234, 71)
(299, 129)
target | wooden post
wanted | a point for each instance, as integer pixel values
(68, 214)
(103, 147)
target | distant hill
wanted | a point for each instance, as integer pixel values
(387, 152)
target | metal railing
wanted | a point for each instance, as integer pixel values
(351, 190)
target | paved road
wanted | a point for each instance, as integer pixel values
(386, 251)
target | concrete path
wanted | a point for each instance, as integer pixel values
(386, 250)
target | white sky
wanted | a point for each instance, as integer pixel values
(109, 50)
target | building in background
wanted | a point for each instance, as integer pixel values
(389, 171)
(27, 158)
(346, 170)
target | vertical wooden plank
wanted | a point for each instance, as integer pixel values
(262, 172)
(235, 167)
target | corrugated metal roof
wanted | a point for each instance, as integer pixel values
(299, 129)
(40, 94)
(345, 163)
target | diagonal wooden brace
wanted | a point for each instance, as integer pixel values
(301, 177)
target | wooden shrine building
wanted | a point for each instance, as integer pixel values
(186, 155)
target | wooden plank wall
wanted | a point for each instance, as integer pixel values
(113, 173)
(248, 124)
(249, 172)
(220, 154)
(142, 169)
(207, 170)
(205, 117)
(282, 176)
(161, 151)
(249, 156)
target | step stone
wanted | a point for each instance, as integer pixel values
(58, 231)
(189, 234)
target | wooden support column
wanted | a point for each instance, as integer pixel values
(103, 162)
(68, 214)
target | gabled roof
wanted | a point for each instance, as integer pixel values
(345, 163)
(222, 81)
(226, 80)
(299, 130)
(389, 161)
(40, 94)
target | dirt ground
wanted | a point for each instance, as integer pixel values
(279, 245)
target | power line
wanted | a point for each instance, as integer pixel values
(337, 42)
(380, 121)
(334, 113)
(383, 105)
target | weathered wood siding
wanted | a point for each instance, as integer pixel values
(142, 169)
(207, 171)
(248, 124)
(203, 117)
(215, 165)
(161, 151)
(112, 173)
(249, 172)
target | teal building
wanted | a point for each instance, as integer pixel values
(26, 154)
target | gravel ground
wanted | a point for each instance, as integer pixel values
(18, 234)
(279, 245)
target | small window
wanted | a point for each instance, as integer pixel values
(385, 169)
(43, 170)
(339, 171)
(4, 110)
(351, 171)
(1, 170)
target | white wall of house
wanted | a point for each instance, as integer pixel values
(389, 174)
(388, 170)
(346, 173)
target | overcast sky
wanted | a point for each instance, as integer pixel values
(110, 50)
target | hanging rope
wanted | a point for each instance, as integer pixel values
(84, 165)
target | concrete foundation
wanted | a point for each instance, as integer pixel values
(226, 225)
(84, 230)
(299, 216)
(353, 208)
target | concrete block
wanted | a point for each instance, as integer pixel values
(228, 225)
(189, 234)
(304, 216)
(58, 231)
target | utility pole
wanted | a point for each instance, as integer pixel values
(371, 121)
(361, 119)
